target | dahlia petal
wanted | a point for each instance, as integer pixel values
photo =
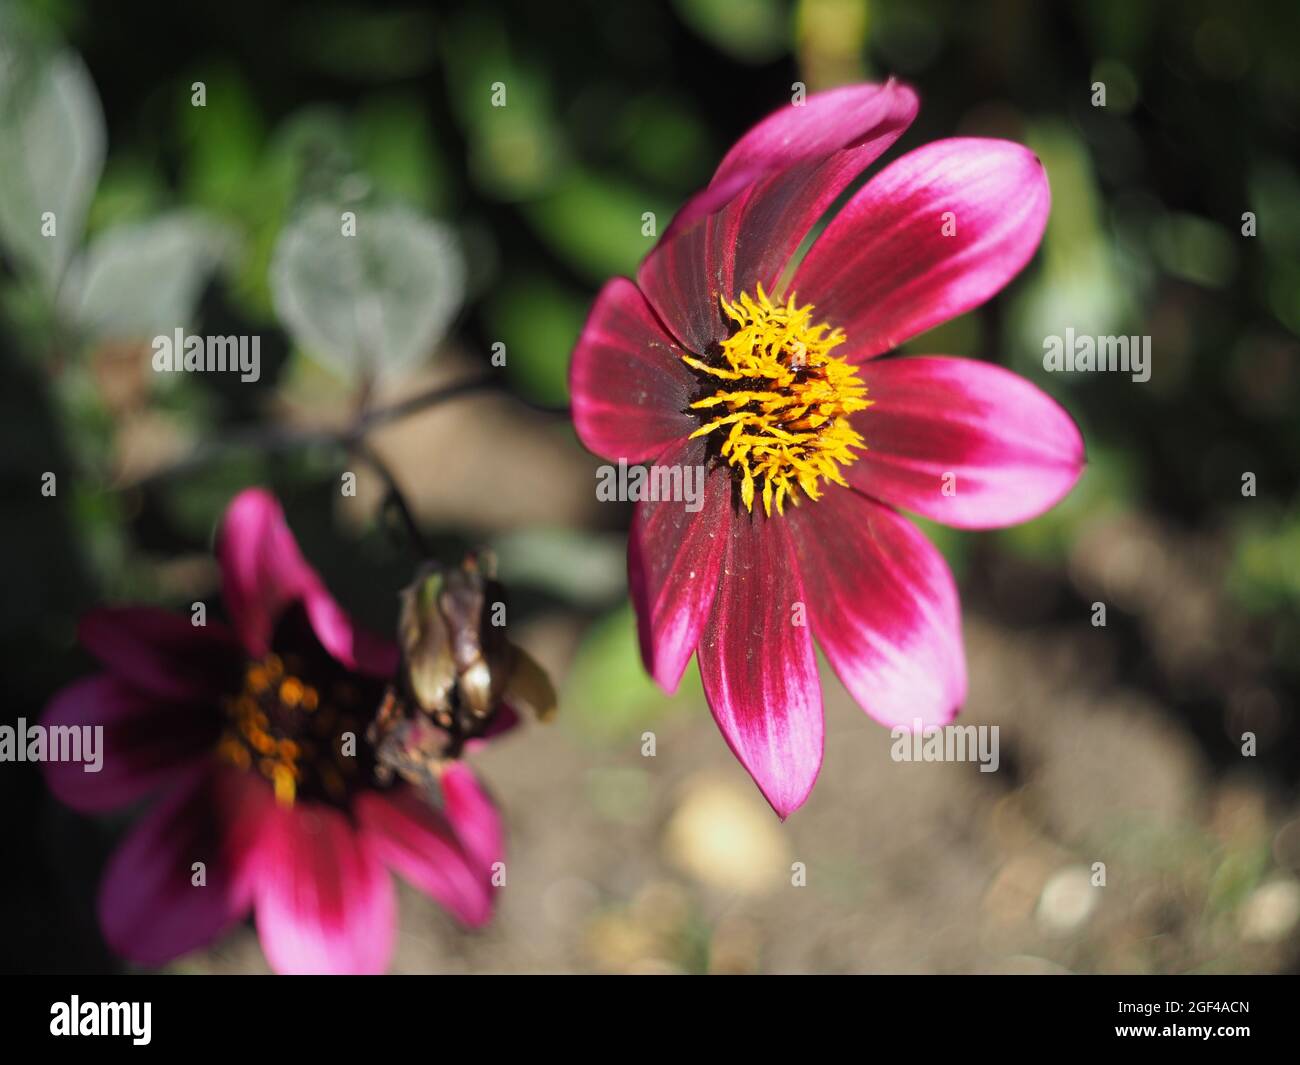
(161, 652)
(883, 607)
(324, 901)
(150, 908)
(966, 443)
(673, 560)
(627, 382)
(349, 643)
(684, 275)
(244, 803)
(418, 843)
(263, 572)
(779, 210)
(474, 816)
(758, 665)
(768, 192)
(907, 276)
(852, 116)
(147, 743)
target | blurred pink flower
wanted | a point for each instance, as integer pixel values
(809, 440)
(241, 735)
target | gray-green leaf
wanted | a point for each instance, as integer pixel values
(377, 302)
(52, 133)
(139, 281)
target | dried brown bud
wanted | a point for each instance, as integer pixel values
(458, 667)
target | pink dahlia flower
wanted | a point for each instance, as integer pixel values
(729, 354)
(242, 735)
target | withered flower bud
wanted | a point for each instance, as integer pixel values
(458, 668)
(449, 642)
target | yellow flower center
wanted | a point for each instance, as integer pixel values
(782, 402)
(279, 726)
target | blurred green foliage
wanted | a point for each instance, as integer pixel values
(608, 696)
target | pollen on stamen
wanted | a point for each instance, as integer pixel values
(267, 729)
(782, 401)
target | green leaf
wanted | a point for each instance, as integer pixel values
(395, 147)
(223, 144)
(139, 281)
(752, 31)
(52, 129)
(608, 695)
(374, 303)
(539, 322)
(516, 147)
(599, 224)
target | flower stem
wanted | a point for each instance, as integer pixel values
(393, 495)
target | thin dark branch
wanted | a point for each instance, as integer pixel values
(433, 397)
(274, 439)
(393, 495)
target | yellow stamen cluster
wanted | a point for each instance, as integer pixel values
(278, 727)
(783, 399)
